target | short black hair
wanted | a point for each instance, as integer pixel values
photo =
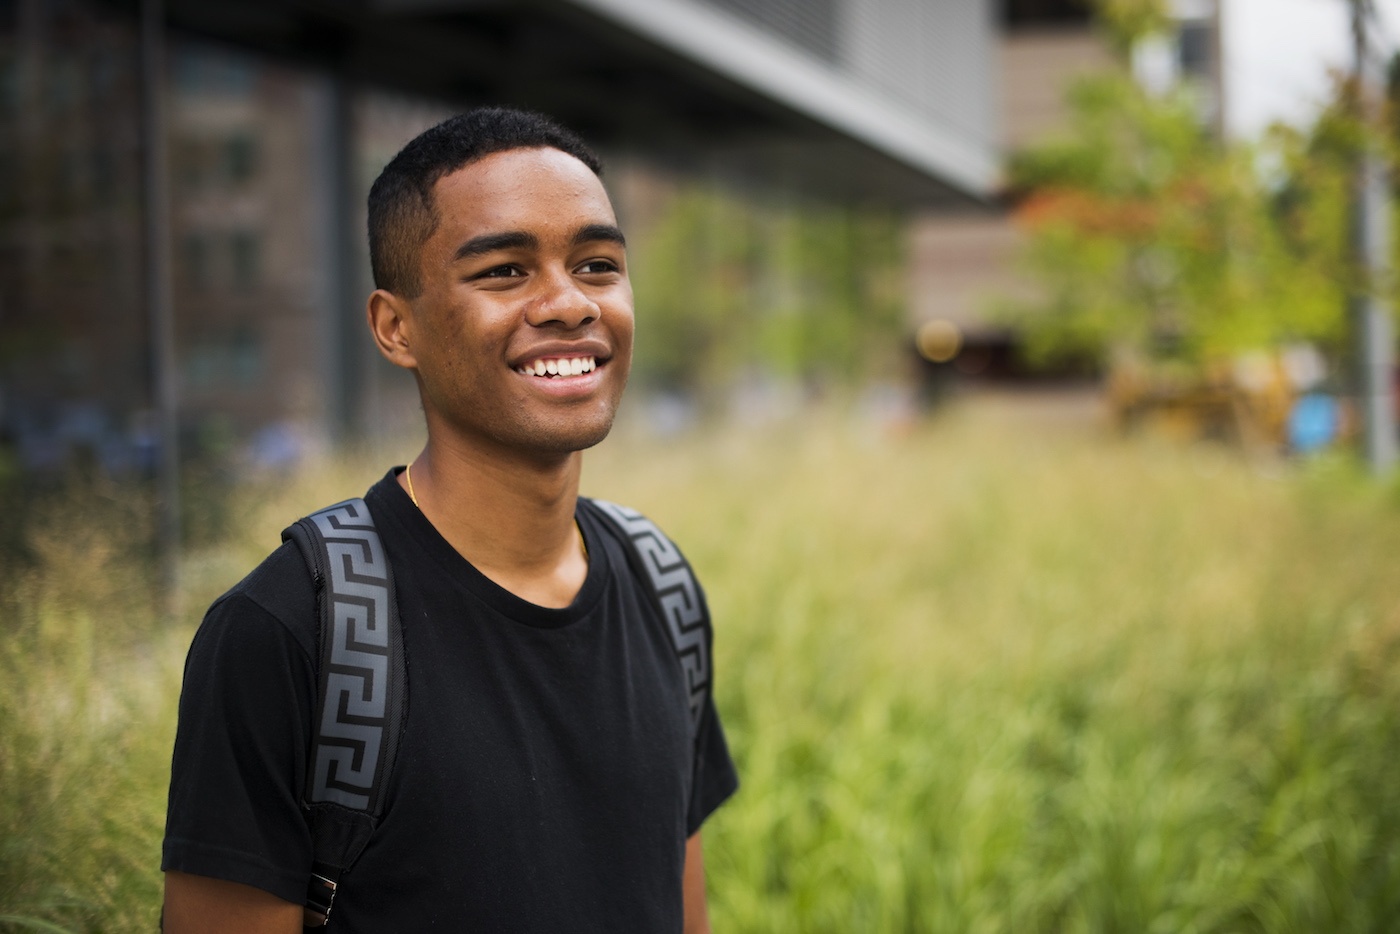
(402, 215)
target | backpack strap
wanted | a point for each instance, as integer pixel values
(361, 691)
(655, 559)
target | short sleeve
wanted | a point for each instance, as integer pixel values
(715, 776)
(240, 753)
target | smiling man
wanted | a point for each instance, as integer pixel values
(549, 774)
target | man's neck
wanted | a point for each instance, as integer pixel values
(511, 517)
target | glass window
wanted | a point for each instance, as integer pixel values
(240, 158)
(246, 247)
(194, 249)
(1040, 12)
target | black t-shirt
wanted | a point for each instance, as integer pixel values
(546, 777)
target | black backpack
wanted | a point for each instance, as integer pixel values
(362, 682)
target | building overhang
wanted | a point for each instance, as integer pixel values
(809, 88)
(671, 80)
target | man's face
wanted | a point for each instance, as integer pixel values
(524, 280)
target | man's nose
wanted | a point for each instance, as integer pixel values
(561, 301)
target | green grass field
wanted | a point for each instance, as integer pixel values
(980, 676)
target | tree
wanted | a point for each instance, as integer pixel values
(1146, 232)
(728, 282)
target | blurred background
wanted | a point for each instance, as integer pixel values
(1018, 375)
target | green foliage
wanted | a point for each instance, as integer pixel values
(86, 718)
(975, 679)
(727, 284)
(1145, 232)
(1125, 22)
(978, 681)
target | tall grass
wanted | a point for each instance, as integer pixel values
(86, 718)
(978, 677)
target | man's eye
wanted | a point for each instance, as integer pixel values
(598, 266)
(500, 272)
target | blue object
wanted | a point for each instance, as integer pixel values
(1313, 423)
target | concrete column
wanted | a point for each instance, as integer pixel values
(346, 368)
(1375, 332)
(160, 302)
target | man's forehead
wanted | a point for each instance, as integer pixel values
(520, 179)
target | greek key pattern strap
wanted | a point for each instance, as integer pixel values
(353, 715)
(679, 596)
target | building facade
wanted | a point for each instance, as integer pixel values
(278, 115)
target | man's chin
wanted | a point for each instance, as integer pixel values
(578, 440)
(528, 434)
(566, 436)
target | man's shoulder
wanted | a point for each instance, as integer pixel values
(651, 554)
(279, 590)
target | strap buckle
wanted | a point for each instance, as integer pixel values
(320, 895)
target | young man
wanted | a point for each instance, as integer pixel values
(548, 777)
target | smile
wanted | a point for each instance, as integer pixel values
(558, 367)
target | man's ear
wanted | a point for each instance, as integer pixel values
(391, 322)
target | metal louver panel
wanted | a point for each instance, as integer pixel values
(932, 56)
(808, 24)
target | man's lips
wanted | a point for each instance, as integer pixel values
(574, 377)
(562, 359)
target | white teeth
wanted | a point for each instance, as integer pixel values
(559, 367)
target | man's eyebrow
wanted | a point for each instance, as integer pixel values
(600, 232)
(490, 243)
